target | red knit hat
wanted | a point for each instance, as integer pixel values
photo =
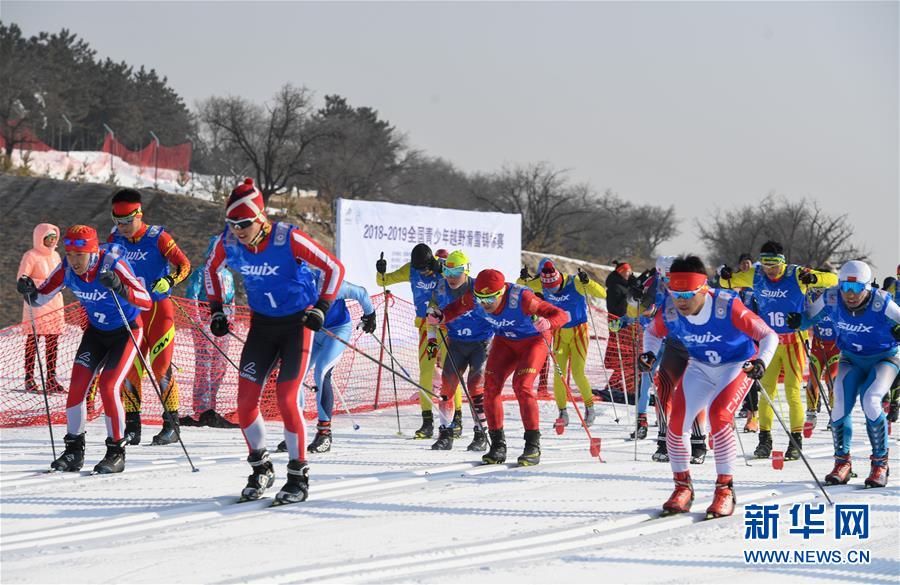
(489, 281)
(623, 267)
(550, 276)
(81, 238)
(246, 202)
(442, 254)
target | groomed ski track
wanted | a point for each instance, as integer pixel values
(385, 509)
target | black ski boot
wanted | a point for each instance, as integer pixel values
(662, 452)
(72, 458)
(426, 431)
(169, 432)
(792, 453)
(262, 478)
(321, 443)
(211, 418)
(133, 428)
(641, 430)
(445, 439)
(497, 454)
(457, 424)
(114, 461)
(282, 447)
(698, 449)
(479, 441)
(297, 487)
(764, 449)
(532, 453)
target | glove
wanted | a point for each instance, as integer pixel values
(583, 276)
(433, 316)
(110, 279)
(646, 361)
(636, 292)
(615, 325)
(793, 320)
(431, 350)
(437, 266)
(162, 285)
(725, 272)
(381, 265)
(754, 369)
(523, 274)
(367, 323)
(26, 287)
(542, 325)
(218, 325)
(895, 331)
(807, 276)
(314, 318)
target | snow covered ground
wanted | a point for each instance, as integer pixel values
(388, 509)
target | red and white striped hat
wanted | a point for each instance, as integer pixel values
(246, 202)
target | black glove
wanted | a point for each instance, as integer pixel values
(725, 273)
(636, 292)
(583, 276)
(793, 320)
(523, 274)
(895, 331)
(218, 325)
(381, 265)
(111, 280)
(367, 323)
(436, 266)
(646, 361)
(807, 276)
(755, 369)
(314, 318)
(26, 287)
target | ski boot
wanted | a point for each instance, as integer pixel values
(641, 431)
(878, 476)
(698, 449)
(562, 421)
(54, 387)
(752, 424)
(297, 487)
(792, 453)
(426, 431)
(188, 421)
(321, 443)
(261, 479)
(497, 454)
(133, 428)
(662, 452)
(894, 410)
(842, 472)
(169, 432)
(282, 447)
(723, 499)
(72, 458)
(114, 460)
(532, 453)
(31, 386)
(479, 441)
(211, 418)
(457, 424)
(445, 439)
(764, 448)
(589, 415)
(682, 497)
(811, 418)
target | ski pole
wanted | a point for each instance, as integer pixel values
(740, 443)
(637, 385)
(137, 349)
(199, 328)
(590, 313)
(462, 383)
(813, 373)
(387, 328)
(622, 375)
(594, 441)
(402, 376)
(794, 443)
(344, 404)
(37, 353)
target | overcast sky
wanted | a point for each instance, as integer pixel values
(698, 104)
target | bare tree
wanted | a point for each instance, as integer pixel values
(21, 100)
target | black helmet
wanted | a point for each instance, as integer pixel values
(421, 257)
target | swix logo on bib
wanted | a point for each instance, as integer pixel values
(569, 300)
(471, 325)
(716, 341)
(776, 299)
(145, 258)
(773, 294)
(422, 287)
(277, 284)
(96, 299)
(866, 334)
(511, 322)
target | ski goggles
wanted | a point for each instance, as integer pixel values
(243, 223)
(849, 286)
(772, 259)
(126, 219)
(488, 299)
(687, 294)
(79, 243)
(454, 271)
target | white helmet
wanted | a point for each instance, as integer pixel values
(855, 271)
(663, 264)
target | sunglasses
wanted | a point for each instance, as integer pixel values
(854, 287)
(488, 299)
(771, 260)
(79, 243)
(686, 294)
(241, 224)
(454, 271)
(126, 219)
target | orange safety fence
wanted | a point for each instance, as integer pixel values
(364, 385)
(153, 155)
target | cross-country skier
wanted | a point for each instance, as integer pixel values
(468, 336)
(274, 261)
(780, 288)
(718, 332)
(570, 343)
(93, 273)
(423, 273)
(522, 326)
(150, 249)
(866, 322)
